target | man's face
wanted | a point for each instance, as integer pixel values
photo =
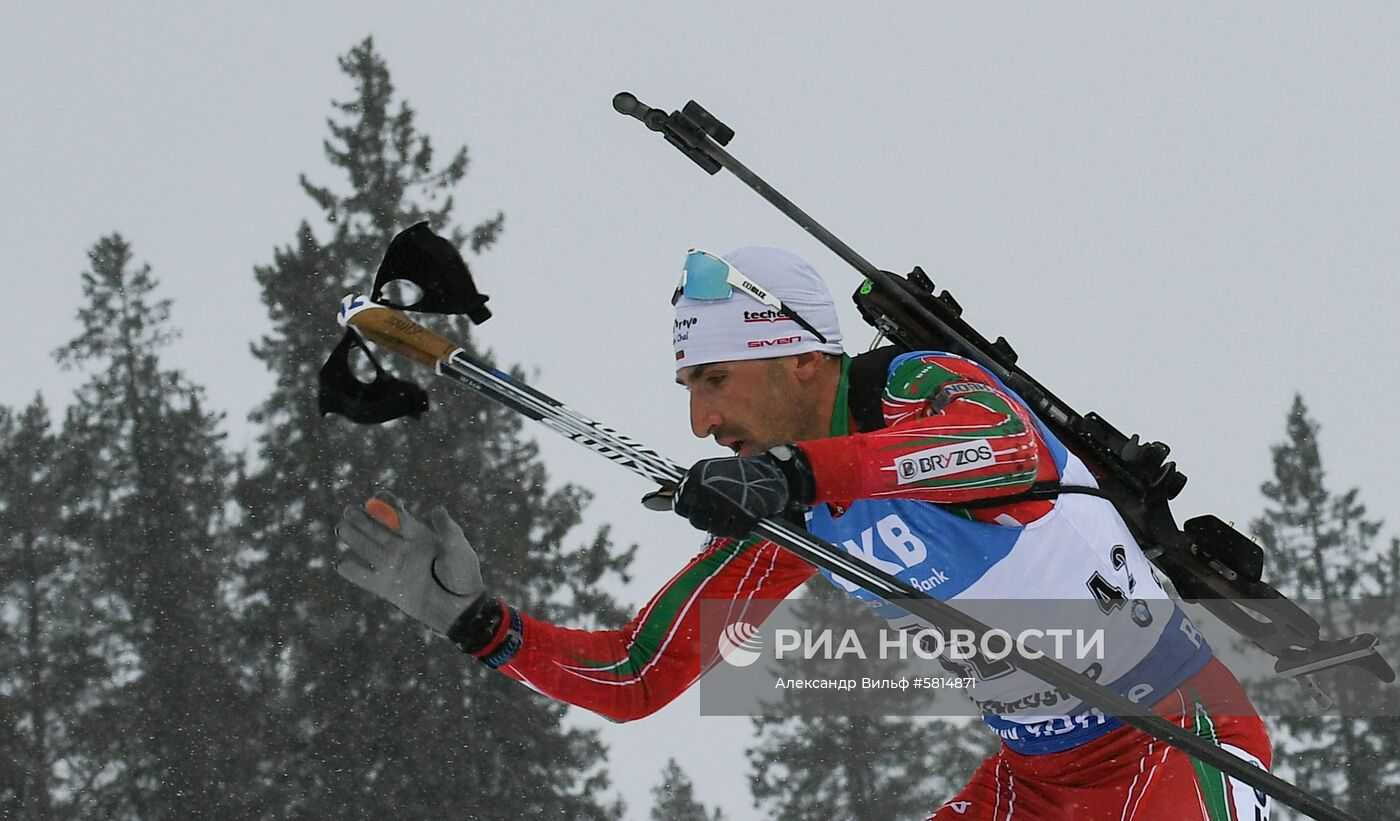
(749, 406)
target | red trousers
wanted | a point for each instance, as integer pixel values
(1128, 774)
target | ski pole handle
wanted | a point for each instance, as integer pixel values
(398, 333)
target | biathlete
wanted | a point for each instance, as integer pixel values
(921, 464)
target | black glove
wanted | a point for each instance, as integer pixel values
(728, 496)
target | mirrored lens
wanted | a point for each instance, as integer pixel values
(706, 276)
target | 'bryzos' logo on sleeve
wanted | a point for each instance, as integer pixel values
(945, 460)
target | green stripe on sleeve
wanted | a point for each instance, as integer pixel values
(1209, 779)
(662, 618)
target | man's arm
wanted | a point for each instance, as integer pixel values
(633, 672)
(433, 574)
(952, 434)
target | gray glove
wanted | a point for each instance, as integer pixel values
(430, 573)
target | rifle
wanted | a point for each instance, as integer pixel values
(1206, 560)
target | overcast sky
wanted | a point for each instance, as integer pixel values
(1179, 215)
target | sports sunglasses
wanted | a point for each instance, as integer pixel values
(708, 277)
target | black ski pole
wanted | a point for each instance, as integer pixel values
(393, 330)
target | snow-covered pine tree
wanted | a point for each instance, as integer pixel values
(1321, 546)
(368, 716)
(143, 464)
(674, 798)
(42, 663)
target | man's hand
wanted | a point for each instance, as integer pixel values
(430, 573)
(727, 497)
